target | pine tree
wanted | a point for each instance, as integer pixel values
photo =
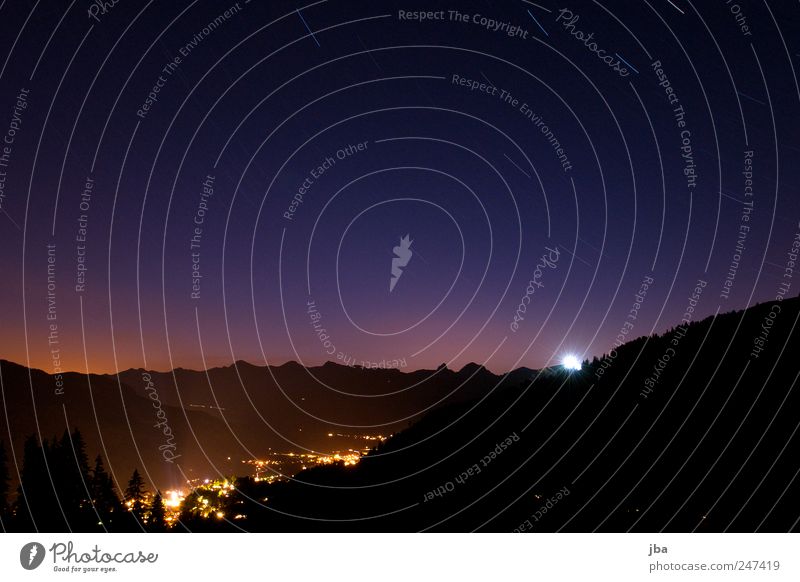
(85, 516)
(104, 497)
(157, 521)
(70, 469)
(79, 454)
(53, 508)
(135, 495)
(37, 504)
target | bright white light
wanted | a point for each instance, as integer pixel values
(571, 362)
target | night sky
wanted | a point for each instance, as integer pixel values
(212, 182)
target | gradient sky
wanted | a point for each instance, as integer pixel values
(259, 102)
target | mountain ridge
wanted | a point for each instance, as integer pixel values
(213, 418)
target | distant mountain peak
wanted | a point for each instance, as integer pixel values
(290, 365)
(472, 368)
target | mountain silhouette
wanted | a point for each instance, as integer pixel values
(240, 411)
(709, 445)
(692, 429)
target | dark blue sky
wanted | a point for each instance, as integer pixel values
(477, 181)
